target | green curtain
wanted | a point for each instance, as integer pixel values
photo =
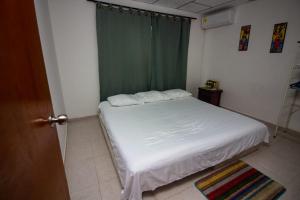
(124, 49)
(170, 39)
(139, 52)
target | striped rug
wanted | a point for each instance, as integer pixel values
(239, 181)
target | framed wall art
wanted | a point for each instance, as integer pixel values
(278, 37)
(244, 38)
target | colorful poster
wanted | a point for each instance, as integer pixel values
(278, 37)
(244, 38)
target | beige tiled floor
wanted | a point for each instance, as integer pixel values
(91, 175)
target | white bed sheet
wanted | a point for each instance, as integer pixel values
(157, 143)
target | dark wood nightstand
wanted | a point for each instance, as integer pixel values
(210, 96)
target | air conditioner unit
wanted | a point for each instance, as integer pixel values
(217, 19)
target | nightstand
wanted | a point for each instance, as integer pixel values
(210, 96)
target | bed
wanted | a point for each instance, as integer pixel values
(158, 143)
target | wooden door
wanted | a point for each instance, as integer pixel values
(31, 165)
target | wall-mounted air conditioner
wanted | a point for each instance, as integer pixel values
(217, 19)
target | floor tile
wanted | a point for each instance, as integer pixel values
(110, 189)
(293, 189)
(169, 190)
(99, 146)
(105, 168)
(90, 193)
(189, 194)
(81, 176)
(77, 154)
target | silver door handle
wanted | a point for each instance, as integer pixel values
(60, 119)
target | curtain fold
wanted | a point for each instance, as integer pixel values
(170, 39)
(139, 51)
(124, 49)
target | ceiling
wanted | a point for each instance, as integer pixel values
(195, 6)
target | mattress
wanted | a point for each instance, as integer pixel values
(157, 143)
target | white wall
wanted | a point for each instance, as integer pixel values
(253, 81)
(74, 31)
(47, 42)
(195, 57)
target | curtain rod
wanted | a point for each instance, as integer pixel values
(95, 1)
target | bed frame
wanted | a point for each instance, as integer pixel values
(107, 140)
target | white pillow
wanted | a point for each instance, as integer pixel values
(123, 100)
(152, 96)
(177, 93)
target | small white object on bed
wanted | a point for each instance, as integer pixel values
(152, 96)
(124, 100)
(157, 143)
(177, 93)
